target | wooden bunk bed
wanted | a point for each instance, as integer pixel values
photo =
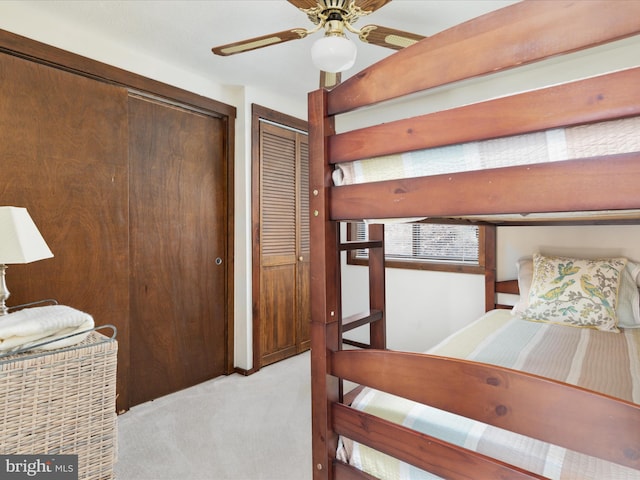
(592, 188)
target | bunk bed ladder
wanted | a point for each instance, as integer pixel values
(375, 317)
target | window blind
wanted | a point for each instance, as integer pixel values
(427, 242)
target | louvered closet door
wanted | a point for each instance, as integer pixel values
(284, 243)
(304, 250)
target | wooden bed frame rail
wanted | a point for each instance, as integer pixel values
(508, 399)
(420, 450)
(519, 34)
(516, 35)
(597, 99)
(516, 401)
(532, 189)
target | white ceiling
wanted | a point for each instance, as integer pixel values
(182, 33)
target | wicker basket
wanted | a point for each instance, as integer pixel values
(63, 402)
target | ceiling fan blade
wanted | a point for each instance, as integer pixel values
(371, 5)
(366, 5)
(305, 4)
(388, 37)
(260, 42)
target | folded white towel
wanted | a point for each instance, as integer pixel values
(31, 326)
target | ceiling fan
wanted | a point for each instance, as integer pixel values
(333, 53)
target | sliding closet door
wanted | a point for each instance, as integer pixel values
(178, 240)
(63, 156)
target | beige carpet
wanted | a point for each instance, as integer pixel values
(230, 428)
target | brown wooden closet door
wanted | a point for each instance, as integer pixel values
(284, 245)
(178, 239)
(63, 156)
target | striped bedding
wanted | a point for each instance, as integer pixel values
(601, 361)
(603, 138)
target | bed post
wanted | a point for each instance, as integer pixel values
(377, 287)
(489, 262)
(326, 312)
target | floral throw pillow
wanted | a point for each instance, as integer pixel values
(576, 292)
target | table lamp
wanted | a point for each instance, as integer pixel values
(20, 242)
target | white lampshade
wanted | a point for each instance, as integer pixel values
(333, 53)
(20, 240)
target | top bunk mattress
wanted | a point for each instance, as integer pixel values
(558, 144)
(602, 361)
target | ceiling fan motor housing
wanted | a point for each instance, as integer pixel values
(335, 10)
(335, 4)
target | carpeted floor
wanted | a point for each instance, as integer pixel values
(230, 428)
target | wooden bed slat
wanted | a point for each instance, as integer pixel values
(508, 286)
(516, 401)
(360, 319)
(532, 30)
(601, 98)
(423, 451)
(609, 183)
(357, 245)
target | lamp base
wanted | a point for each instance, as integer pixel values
(4, 291)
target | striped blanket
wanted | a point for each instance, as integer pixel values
(601, 361)
(604, 138)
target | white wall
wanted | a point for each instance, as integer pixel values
(580, 241)
(30, 22)
(423, 307)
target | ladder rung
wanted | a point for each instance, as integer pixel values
(359, 319)
(353, 343)
(357, 245)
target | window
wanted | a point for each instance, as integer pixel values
(426, 246)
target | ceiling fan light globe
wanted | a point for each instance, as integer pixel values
(333, 53)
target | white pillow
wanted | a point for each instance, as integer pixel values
(524, 267)
(629, 297)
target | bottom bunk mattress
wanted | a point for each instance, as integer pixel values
(602, 361)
